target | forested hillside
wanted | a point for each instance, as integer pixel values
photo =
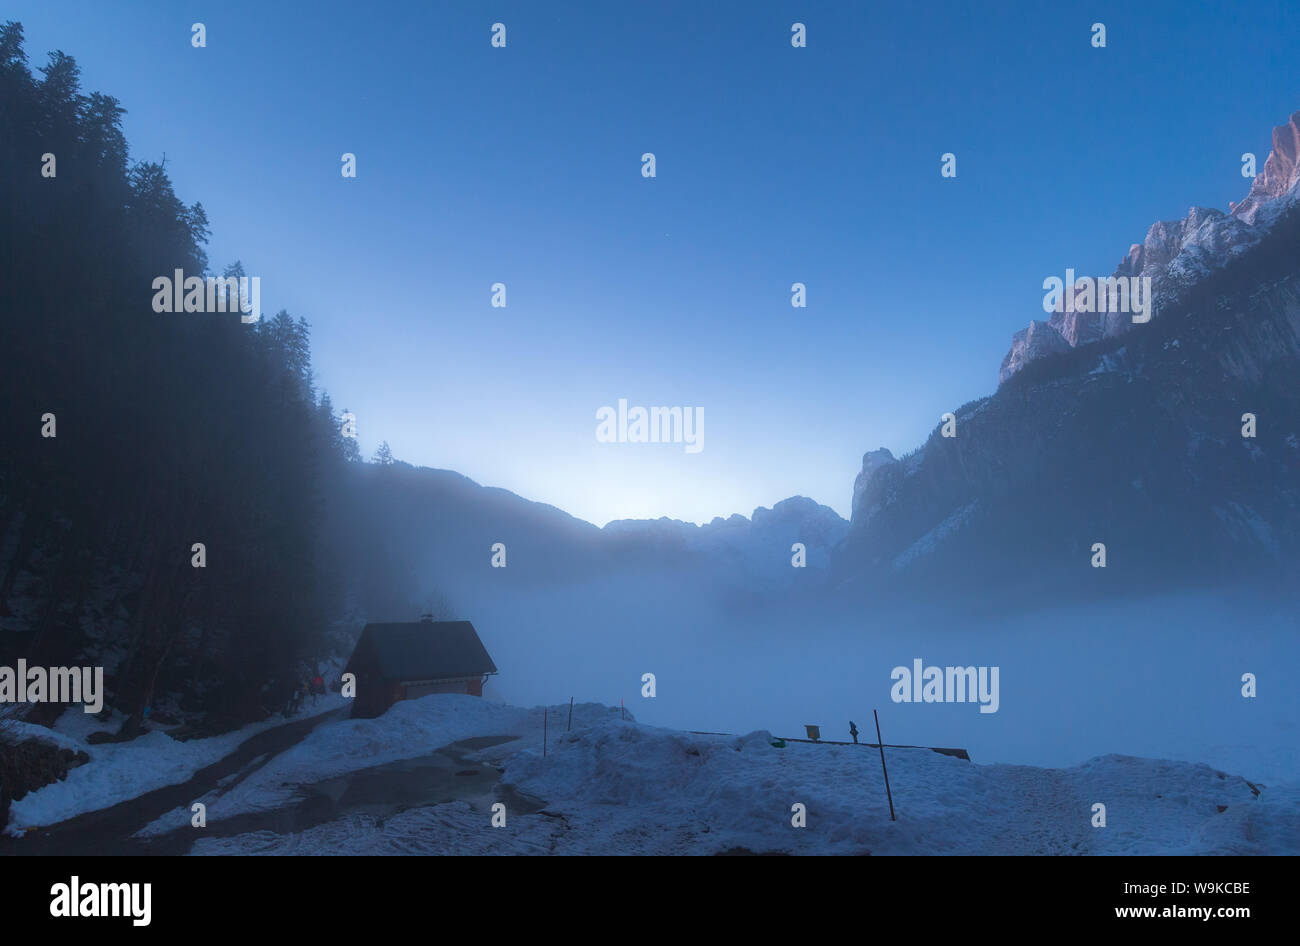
(167, 429)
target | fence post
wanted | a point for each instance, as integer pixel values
(881, 744)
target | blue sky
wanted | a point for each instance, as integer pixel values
(775, 165)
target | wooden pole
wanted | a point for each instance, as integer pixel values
(545, 715)
(881, 743)
(570, 726)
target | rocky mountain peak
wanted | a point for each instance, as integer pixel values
(1030, 344)
(1281, 171)
(872, 461)
(1174, 254)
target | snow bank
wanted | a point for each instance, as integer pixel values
(19, 731)
(119, 771)
(626, 788)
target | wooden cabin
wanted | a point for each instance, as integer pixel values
(403, 661)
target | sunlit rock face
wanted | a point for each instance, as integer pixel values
(1280, 175)
(1176, 254)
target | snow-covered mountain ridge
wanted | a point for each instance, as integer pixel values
(1175, 254)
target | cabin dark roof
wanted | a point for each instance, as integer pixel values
(423, 650)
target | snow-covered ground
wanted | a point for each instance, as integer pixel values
(409, 729)
(615, 786)
(118, 771)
